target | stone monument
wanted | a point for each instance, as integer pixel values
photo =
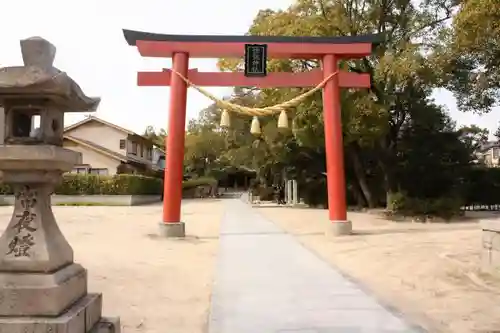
(490, 252)
(41, 288)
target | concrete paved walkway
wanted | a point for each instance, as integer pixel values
(266, 282)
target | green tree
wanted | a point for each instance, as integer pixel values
(157, 137)
(202, 151)
(473, 137)
(397, 140)
(210, 147)
(497, 134)
(402, 69)
(473, 60)
(432, 157)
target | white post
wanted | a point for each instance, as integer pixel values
(295, 197)
(289, 192)
(295, 193)
(2, 125)
(286, 190)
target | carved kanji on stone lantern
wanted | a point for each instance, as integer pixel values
(41, 288)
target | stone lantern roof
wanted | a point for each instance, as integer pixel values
(38, 78)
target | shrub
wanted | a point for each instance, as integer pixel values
(397, 202)
(444, 207)
(265, 193)
(199, 187)
(195, 182)
(5, 189)
(123, 184)
(314, 192)
(481, 186)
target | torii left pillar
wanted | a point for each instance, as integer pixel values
(172, 226)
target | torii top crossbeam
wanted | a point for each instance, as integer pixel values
(278, 47)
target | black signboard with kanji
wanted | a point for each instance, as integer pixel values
(255, 60)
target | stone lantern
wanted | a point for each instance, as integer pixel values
(41, 288)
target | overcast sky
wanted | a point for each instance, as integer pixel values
(92, 50)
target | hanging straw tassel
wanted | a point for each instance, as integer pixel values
(225, 119)
(255, 128)
(283, 120)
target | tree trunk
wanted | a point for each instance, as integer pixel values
(361, 175)
(388, 163)
(358, 195)
(390, 180)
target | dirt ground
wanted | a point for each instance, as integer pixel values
(429, 272)
(155, 285)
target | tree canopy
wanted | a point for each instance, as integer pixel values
(475, 50)
(396, 138)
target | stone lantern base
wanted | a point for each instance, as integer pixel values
(41, 288)
(82, 317)
(54, 302)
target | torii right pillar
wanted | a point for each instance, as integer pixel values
(337, 207)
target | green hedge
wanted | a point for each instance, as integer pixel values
(481, 186)
(77, 184)
(202, 181)
(444, 207)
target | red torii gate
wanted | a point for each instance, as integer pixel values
(182, 47)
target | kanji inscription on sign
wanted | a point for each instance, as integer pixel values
(255, 60)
